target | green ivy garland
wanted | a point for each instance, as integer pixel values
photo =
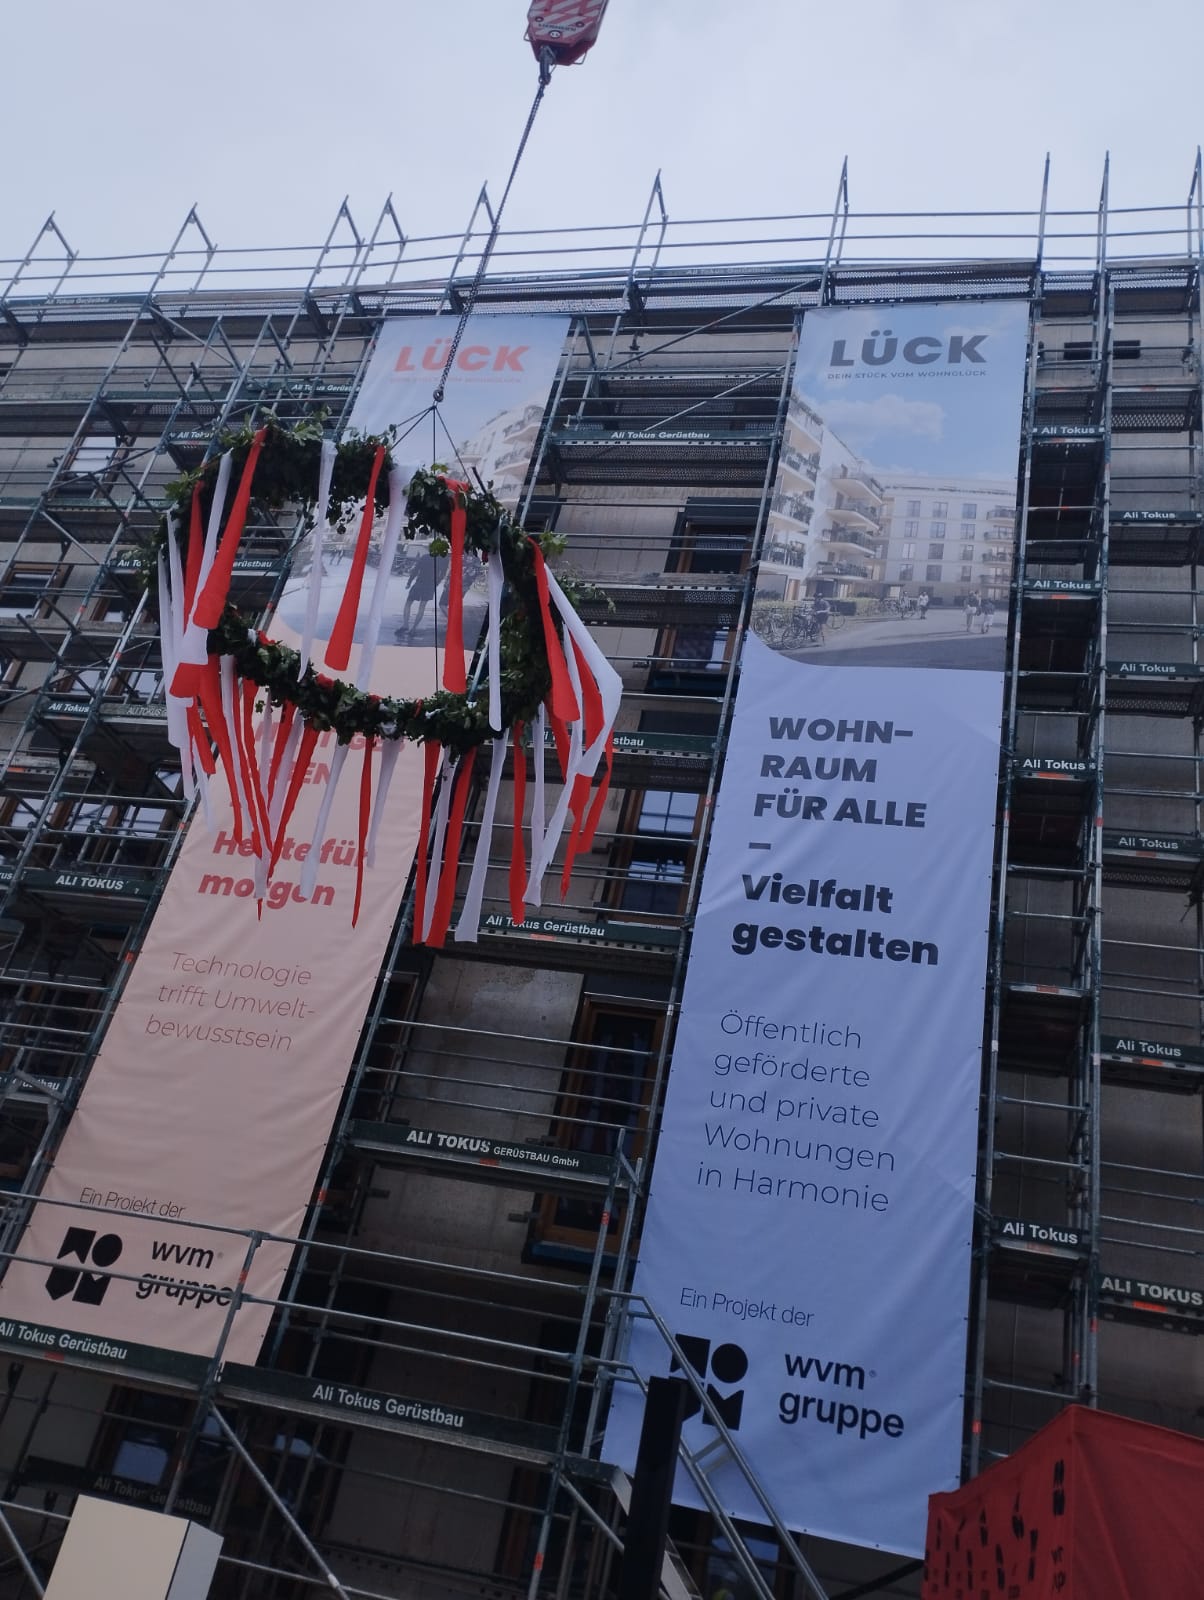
(286, 474)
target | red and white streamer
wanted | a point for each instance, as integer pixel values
(266, 763)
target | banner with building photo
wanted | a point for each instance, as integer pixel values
(213, 1095)
(808, 1232)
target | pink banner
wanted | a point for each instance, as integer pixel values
(212, 1098)
(213, 1095)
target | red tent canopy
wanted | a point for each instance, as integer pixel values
(1094, 1507)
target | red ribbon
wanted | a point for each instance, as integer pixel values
(451, 853)
(211, 601)
(338, 651)
(563, 701)
(255, 792)
(595, 716)
(185, 680)
(209, 690)
(200, 741)
(560, 737)
(454, 678)
(283, 728)
(577, 805)
(365, 815)
(518, 856)
(305, 750)
(244, 767)
(595, 810)
(432, 751)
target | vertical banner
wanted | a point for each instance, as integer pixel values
(212, 1097)
(808, 1231)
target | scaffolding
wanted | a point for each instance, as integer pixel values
(470, 1276)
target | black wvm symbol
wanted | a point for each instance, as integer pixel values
(728, 1363)
(82, 1245)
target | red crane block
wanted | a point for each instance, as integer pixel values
(568, 28)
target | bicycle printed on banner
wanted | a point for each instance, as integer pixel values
(789, 627)
(903, 605)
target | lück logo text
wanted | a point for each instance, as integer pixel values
(728, 1363)
(882, 349)
(471, 358)
(82, 1245)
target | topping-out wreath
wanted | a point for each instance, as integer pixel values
(241, 701)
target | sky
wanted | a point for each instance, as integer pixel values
(119, 117)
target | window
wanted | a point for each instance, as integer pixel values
(936, 552)
(655, 855)
(111, 608)
(906, 573)
(932, 574)
(705, 542)
(913, 508)
(936, 530)
(967, 552)
(967, 574)
(25, 589)
(907, 551)
(969, 510)
(601, 1109)
(690, 661)
(911, 529)
(940, 508)
(967, 530)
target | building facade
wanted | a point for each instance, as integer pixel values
(675, 460)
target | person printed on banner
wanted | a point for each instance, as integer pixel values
(971, 605)
(923, 604)
(470, 569)
(986, 616)
(423, 586)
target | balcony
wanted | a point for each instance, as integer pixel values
(804, 423)
(852, 536)
(863, 510)
(803, 466)
(842, 569)
(529, 419)
(780, 554)
(794, 507)
(861, 485)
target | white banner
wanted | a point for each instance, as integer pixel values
(212, 1097)
(809, 1227)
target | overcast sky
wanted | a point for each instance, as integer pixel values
(118, 116)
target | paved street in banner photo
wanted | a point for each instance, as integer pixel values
(941, 640)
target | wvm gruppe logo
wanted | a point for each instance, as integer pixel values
(81, 1245)
(85, 1277)
(726, 1364)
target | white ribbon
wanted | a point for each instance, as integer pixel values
(194, 649)
(539, 734)
(171, 632)
(284, 776)
(448, 769)
(309, 867)
(495, 579)
(384, 573)
(470, 914)
(390, 749)
(325, 473)
(610, 684)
